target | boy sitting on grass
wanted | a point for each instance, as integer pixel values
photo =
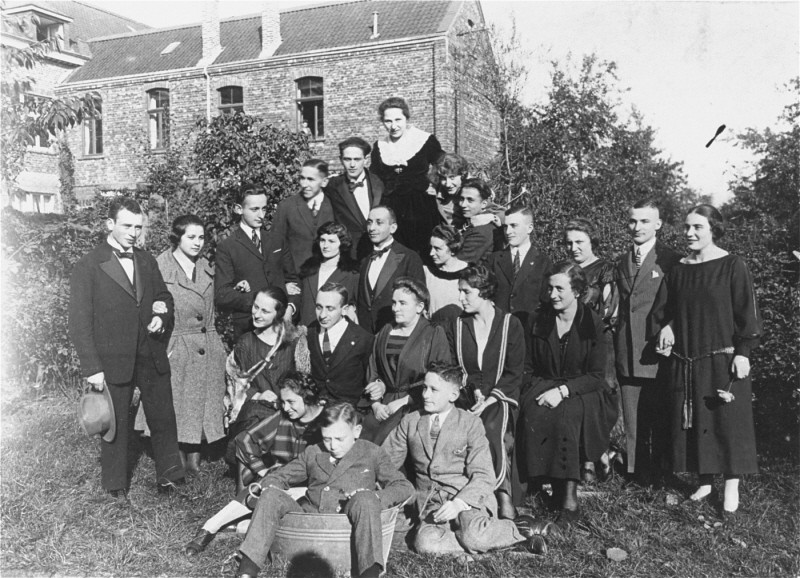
(454, 475)
(341, 474)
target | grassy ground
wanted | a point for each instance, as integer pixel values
(57, 521)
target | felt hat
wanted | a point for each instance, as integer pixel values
(96, 414)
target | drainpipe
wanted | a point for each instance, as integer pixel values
(208, 97)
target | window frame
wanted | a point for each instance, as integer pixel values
(158, 118)
(93, 132)
(231, 107)
(317, 126)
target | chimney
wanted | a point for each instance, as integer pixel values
(375, 33)
(270, 29)
(211, 43)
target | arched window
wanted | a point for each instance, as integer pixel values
(158, 117)
(231, 99)
(93, 131)
(310, 110)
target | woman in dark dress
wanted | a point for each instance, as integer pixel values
(710, 322)
(582, 240)
(563, 399)
(489, 345)
(331, 261)
(400, 358)
(402, 161)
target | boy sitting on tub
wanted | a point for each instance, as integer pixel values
(341, 474)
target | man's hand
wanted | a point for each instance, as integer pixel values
(242, 286)
(449, 511)
(156, 325)
(380, 411)
(375, 390)
(266, 395)
(97, 381)
(666, 339)
(292, 288)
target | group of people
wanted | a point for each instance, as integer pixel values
(399, 334)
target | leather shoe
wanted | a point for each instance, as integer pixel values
(536, 545)
(170, 487)
(202, 539)
(529, 526)
(568, 517)
(119, 494)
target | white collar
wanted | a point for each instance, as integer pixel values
(523, 248)
(360, 179)
(442, 416)
(398, 152)
(316, 201)
(645, 247)
(248, 230)
(184, 262)
(114, 245)
(335, 333)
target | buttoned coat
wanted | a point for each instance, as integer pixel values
(196, 353)
(635, 353)
(294, 228)
(520, 295)
(375, 307)
(459, 463)
(343, 376)
(347, 212)
(364, 466)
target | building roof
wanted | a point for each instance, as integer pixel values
(302, 30)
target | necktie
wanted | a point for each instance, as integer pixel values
(314, 210)
(638, 257)
(516, 263)
(436, 427)
(124, 255)
(326, 347)
(353, 186)
(256, 240)
(378, 252)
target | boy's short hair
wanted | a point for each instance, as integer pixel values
(318, 164)
(331, 287)
(247, 190)
(447, 372)
(339, 411)
(523, 210)
(355, 141)
(119, 203)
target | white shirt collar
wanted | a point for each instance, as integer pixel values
(185, 263)
(114, 245)
(335, 333)
(442, 416)
(249, 230)
(645, 247)
(359, 179)
(316, 201)
(523, 249)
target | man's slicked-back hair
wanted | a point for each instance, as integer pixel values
(449, 372)
(331, 287)
(319, 164)
(339, 411)
(119, 203)
(524, 210)
(392, 214)
(355, 141)
(648, 203)
(247, 190)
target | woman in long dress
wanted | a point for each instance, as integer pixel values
(441, 276)
(563, 399)
(710, 322)
(330, 262)
(400, 357)
(196, 353)
(489, 345)
(402, 161)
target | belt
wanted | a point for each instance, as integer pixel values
(688, 382)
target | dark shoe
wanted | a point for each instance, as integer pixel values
(529, 526)
(566, 518)
(588, 474)
(170, 487)
(202, 539)
(536, 545)
(119, 494)
(505, 507)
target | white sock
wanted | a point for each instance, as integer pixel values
(232, 511)
(701, 492)
(730, 501)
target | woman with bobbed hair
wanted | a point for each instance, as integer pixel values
(565, 395)
(402, 161)
(709, 324)
(450, 171)
(441, 276)
(400, 356)
(489, 345)
(196, 352)
(331, 261)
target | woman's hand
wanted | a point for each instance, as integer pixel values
(267, 395)
(380, 411)
(666, 339)
(550, 398)
(375, 390)
(740, 367)
(481, 405)
(397, 404)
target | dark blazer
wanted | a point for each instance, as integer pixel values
(347, 213)
(308, 292)
(108, 319)
(522, 295)
(343, 377)
(479, 242)
(374, 308)
(359, 469)
(294, 229)
(635, 353)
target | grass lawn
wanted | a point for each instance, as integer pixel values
(57, 521)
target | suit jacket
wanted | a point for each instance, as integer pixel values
(343, 377)
(309, 290)
(523, 294)
(238, 259)
(635, 353)
(364, 466)
(460, 463)
(294, 229)
(108, 318)
(347, 213)
(478, 243)
(375, 307)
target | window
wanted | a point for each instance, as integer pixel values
(158, 117)
(46, 30)
(41, 137)
(231, 99)
(93, 132)
(310, 117)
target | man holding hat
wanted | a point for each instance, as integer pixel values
(119, 314)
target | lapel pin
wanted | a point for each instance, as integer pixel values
(655, 274)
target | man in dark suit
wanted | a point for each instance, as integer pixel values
(388, 261)
(521, 268)
(119, 312)
(297, 218)
(247, 260)
(339, 349)
(640, 271)
(354, 193)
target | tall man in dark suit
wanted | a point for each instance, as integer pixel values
(640, 271)
(388, 261)
(521, 268)
(339, 349)
(119, 312)
(354, 193)
(247, 260)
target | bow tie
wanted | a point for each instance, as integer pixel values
(124, 254)
(354, 185)
(376, 254)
